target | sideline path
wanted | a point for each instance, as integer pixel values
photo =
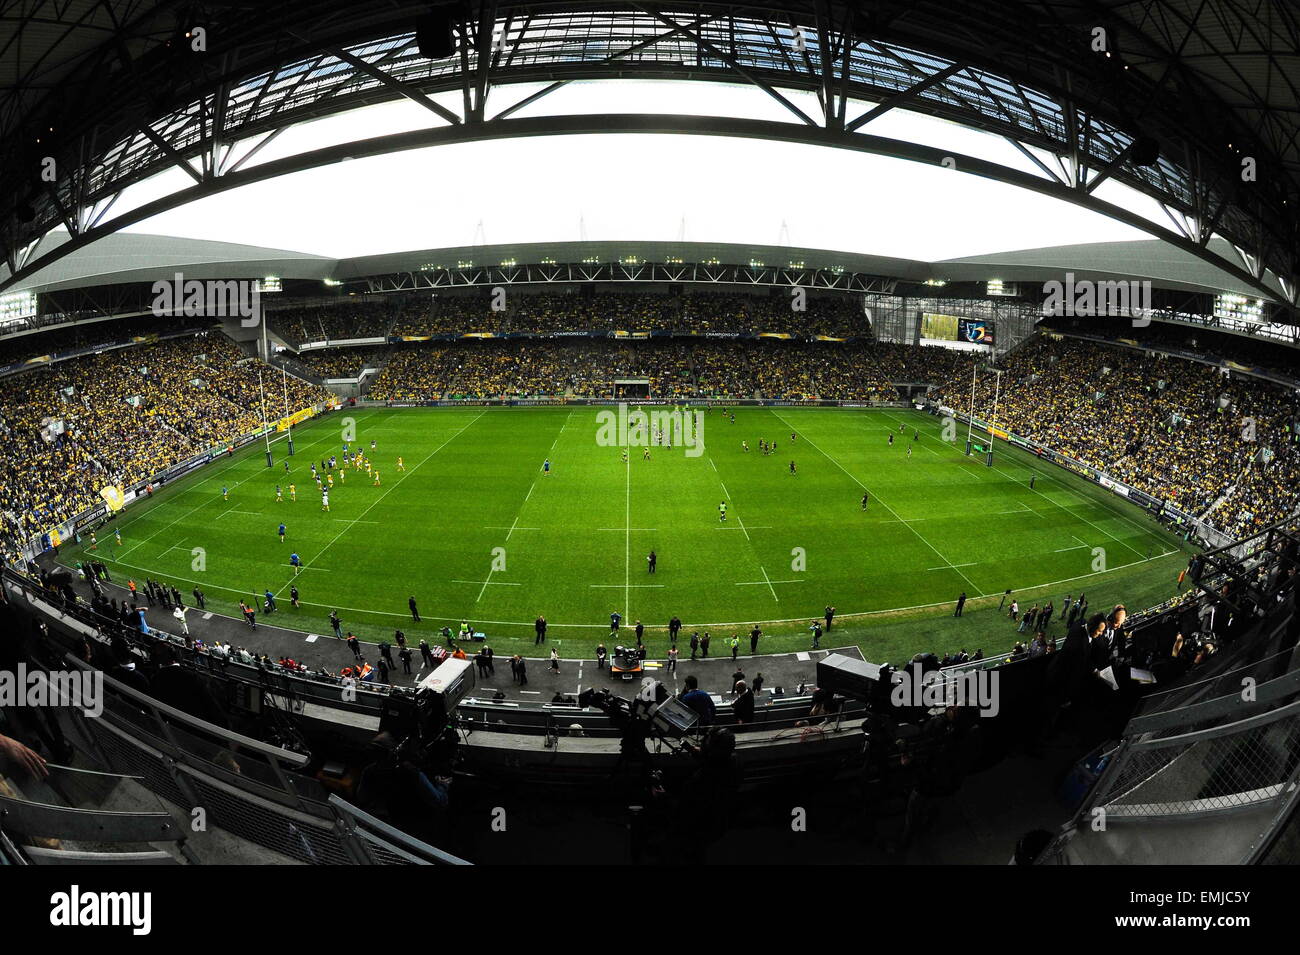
(785, 670)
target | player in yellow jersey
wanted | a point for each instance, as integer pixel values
(293, 492)
(400, 465)
(329, 479)
(376, 479)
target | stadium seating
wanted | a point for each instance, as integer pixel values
(1171, 427)
(125, 415)
(1178, 430)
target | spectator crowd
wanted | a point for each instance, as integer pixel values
(119, 417)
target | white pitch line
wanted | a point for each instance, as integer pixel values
(769, 583)
(204, 502)
(883, 504)
(625, 586)
(388, 490)
(599, 626)
(627, 551)
(948, 566)
(457, 580)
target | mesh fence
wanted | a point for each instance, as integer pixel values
(1207, 773)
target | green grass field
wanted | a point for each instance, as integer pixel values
(475, 530)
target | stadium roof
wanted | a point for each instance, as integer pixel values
(1176, 96)
(135, 257)
(1163, 265)
(131, 257)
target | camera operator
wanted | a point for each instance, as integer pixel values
(1186, 653)
(396, 788)
(707, 797)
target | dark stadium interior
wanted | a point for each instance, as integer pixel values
(1143, 731)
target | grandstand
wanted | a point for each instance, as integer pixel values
(360, 545)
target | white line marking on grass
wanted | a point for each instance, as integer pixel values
(388, 490)
(202, 503)
(878, 500)
(530, 492)
(457, 580)
(954, 566)
(1062, 550)
(627, 546)
(622, 529)
(624, 586)
(1104, 505)
(764, 583)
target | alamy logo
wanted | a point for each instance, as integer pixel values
(210, 298)
(977, 688)
(1086, 298)
(99, 909)
(80, 689)
(660, 427)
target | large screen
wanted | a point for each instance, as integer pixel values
(975, 330)
(941, 328)
(952, 328)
